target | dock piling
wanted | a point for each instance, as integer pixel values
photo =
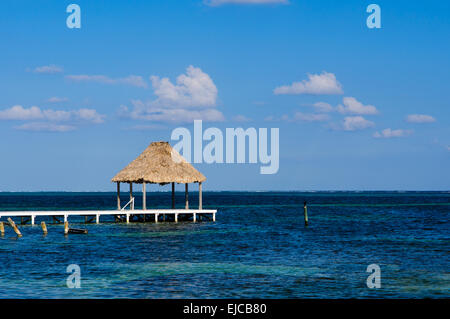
(305, 208)
(2, 229)
(13, 225)
(66, 228)
(44, 228)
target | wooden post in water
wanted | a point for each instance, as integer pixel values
(186, 196)
(66, 228)
(118, 196)
(200, 202)
(305, 208)
(44, 228)
(173, 195)
(2, 229)
(13, 225)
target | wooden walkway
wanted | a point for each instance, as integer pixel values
(125, 214)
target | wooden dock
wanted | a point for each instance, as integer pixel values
(126, 215)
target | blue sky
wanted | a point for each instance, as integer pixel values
(357, 108)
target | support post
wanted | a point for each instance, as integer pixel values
(44, 228)
(66, 228)
(186, 196)
(195, 217)
(118, 196)
(173, 195)
(32, 219)
(305, 208)
(65, 218)
(200, 201)
(156, 218)
(97, 218)
(2, 229)
(144, 197)
(13, 225)
(214, 217)
(128, 218)
(176, 217)
(131, 191)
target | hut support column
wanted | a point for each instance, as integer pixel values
(118, 196)
(144, 197)
(200, 204)
(186, 196)
(131, 196)
(173, 195)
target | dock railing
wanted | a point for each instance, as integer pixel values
(130, 203)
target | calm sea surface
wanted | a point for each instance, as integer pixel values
(258, 248)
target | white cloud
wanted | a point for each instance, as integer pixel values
(310, 117)
(133, 80)
(270, 118)
(19, 113)
(241, 118)
(55, 99)
(353, 106)
(149, 127)
(222, 2)
(192, 97)
(193, 89)
(323, 107)
(355, 123)
(420, 118)
(45, 127)
(324, 83)
(88, 115)
(389, 133)
(149, 112)
(49, 69)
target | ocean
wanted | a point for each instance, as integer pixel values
(259, 247)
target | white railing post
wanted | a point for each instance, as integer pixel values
(131, 203)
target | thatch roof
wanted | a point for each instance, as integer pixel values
(160, 164)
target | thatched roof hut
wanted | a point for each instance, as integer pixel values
(159, 164)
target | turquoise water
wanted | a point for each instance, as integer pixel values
(258, 248)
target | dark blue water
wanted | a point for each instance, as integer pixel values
(258, 248)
